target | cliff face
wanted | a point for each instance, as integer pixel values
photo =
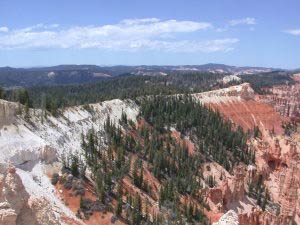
(277, 156)
(7, 112)
(33, 146)
(233, 93)
(283, 172)
(239, 104)
(27, 196)
(12, 195)
(257, 217)
(286, 100)
(229, 218)
(26, 141)
(16, 205)
(282, 181)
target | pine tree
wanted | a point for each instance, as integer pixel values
(141, 178)
(27, 115)
(265, 200)
(136, 178)
(100, 188)
(1, 92)
(118, 210)
(124, 117)
(74, 166)
(137, 210)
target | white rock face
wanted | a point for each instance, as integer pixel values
(229, 218)
(23, 142)
(233, 93)
(17, 207)
(43, 196)
(7, 112)
(230, 78)
(30, 144)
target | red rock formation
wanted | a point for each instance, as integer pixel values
(239, 104)
(237, 183)
(248, 114)
(258, 217)
(231, 189)
(215, 200)
(277, 156)
(277, 159)
(285, 99)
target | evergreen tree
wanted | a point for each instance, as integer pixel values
(1, 93)
(137, 211)
(74, 165)
(118, 210)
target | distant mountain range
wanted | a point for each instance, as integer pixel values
(77, 74)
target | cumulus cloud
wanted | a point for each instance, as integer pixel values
(295, 32)
(38, 27)
(140, 21)
(243, 21)
(127, 35)
(4, 29)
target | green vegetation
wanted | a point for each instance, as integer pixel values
(266, 80)
(215, 137)
(258, 191)
(177, 169)
(168, 162)
(135, 152)
(60, 75)
(1, 92)
(52, 98)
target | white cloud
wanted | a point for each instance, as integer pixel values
(140, 21)
(295, 32)
(244, 21)
(217, 45)
(128, 35)
(39, 26)
(4, 29)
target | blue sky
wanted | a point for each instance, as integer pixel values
(160, 32)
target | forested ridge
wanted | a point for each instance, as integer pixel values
(80, 74)
(131, 86)
(148, 147)
(128, 86)
(267, 80)
(213, 135)
(142, 153)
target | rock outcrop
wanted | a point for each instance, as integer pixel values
(286, 100)
(231, 94)
(238, 103)
(13, 196)
(229, 218)
(23, 141)
(236, 185)
(26, 143)
(17, 207)
(34, 144)
(258, 217)
(277, 156)
(215, 200)
(228, 191)
(7, 112)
